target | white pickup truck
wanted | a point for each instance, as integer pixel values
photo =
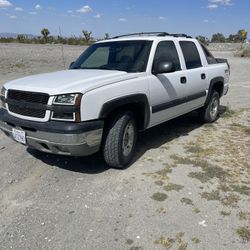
(116, 88)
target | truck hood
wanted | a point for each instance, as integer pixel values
(69, 81)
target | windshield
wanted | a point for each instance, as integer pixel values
(129, 56)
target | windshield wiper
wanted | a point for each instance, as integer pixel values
(95, 68)
(105, 67)
(101, 67)
(74, 67)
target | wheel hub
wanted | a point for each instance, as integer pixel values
(214, 108)
(128, 139)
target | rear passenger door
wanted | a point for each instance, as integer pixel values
(168, 90)
(197, 80)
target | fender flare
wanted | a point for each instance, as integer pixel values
(116, 103)
(211, 85)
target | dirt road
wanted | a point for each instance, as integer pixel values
(189, 186)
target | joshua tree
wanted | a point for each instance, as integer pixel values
(242, 34)
(87, 35)
(203, 39)
(106, 36)
(21, 38)
(45, 32)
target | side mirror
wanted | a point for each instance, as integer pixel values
(71, 64)
(165, 67)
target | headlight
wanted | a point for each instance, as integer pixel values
(66, 113)
(3, 95)
(67, 99)
(3, 91)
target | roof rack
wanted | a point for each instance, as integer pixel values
(180, 35)
(153, 33)
(144, 33)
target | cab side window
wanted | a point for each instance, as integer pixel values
(166, 52)
(191, 55)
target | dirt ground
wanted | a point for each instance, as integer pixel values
(188, 188)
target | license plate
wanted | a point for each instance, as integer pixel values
(19, 135)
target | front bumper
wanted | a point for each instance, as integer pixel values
(226, 88)
(65, 138)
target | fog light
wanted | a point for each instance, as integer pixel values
(62, 116)
(4, 105)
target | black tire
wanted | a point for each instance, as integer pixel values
(116, 152)
(210, 112)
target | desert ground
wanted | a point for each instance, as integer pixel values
(188, 188)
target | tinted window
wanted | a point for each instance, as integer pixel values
(98, 58)
(130, 56)
(166, 52)
(209, 56)
(191, 55)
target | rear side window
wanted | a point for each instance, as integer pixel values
(191, 55)
(210, 58)
(166, 52)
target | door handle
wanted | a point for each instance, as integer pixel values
(183, 80)
(203, 76)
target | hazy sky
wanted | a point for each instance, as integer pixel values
(193, 17)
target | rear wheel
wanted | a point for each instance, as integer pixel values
(210, 112)
(120, 140)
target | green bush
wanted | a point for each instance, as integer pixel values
(48, 39)
(7, 40)
(244, 51)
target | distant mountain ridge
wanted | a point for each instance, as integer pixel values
(14, 35)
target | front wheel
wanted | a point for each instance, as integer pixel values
(120, 140)
(210, 112)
